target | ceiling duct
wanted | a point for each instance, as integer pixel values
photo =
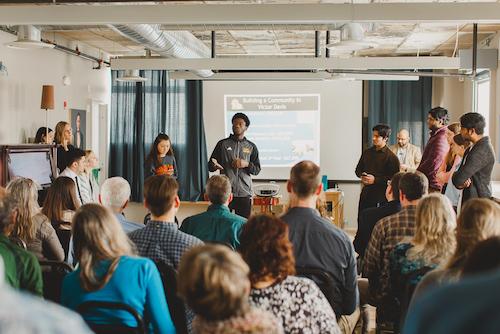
(172, 44)
(28, 37)
(352, 39)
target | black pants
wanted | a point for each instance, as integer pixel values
(242, 206)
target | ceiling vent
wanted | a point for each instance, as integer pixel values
(131, 76)
(352, 39)
(28, 37)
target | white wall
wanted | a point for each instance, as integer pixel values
(20, 91)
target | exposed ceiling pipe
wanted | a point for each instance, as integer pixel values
(172, 44)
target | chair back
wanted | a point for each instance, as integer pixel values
(53, 273)
(89, 307)
(64, 237)
(175, 303)
(323, 280)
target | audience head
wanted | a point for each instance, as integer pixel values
(161, 147)
(392, 190)
(435, 225)
(437, 118)
(76, 160)
(91, 160)
(41, 136)
(97, 236)
(484, 257)
(7, 214)
(160, 194)
(63, 133)
(305, 180)
(24, 193)
(265, 247)
(478, 221)
(403, 138)
(213, 280)
(61, 196)
(473, 125)
(452, 130)
(219, 190)
(381, 134)
(115, 193)
(412, 187)
(458, 145)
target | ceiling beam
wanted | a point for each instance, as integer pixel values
(180, 14)
(286, 64)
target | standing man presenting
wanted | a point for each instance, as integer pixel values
(408, 154)
(238, 159)
(376, 166)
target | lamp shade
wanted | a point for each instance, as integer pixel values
(47, 97)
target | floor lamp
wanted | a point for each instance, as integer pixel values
(47, 103)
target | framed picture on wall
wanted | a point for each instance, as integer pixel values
(79, 126)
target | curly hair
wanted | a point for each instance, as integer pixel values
(265, 247)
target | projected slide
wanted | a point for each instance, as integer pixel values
(284, 127)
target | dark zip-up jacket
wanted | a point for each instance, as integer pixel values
(229, 149)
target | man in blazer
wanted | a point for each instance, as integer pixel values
(474, 174)
(408, 154)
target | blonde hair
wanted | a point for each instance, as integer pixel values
(97, 236)
(59, 135)
(478, 221)
(214, 282)
(434, 238)
(24, 193)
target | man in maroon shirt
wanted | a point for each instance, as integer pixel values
(436, 148)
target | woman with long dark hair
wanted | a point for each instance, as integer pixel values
(161, 159)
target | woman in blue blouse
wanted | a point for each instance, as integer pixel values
(108, 271)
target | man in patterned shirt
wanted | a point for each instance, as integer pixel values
(387, 233)
(161, 239)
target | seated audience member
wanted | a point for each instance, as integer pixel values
(89, 187)
(431, 245)
(61, 203)
(32, 226)
(458, 146)
(63, 138)
(161, 239)
(115, 195)
(369, 217)
(22, 313)
(41, 136)
(478, 221)
(474, 173)
(213, 281)
(296, 301)
(388, 232)
(76, 164)
(317, 243)
(469, 306)
(409, 155)
(21, 267)
(485, 257)
(108, 271)
(218, 223)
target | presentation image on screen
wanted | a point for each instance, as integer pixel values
(33, 165)
(285, 127)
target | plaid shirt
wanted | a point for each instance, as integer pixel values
(163, 241)
(388, 232)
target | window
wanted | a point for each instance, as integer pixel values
(481, 97)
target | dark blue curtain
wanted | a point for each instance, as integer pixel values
(139, 111)
(401, 104)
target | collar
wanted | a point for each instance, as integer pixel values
(218, 207)
(304, 210)
(160, 224)
(69, 173)
(233, 137)
(3, 238)
(441, 129)
(383, 149)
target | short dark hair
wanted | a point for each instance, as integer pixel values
(440, 114)
(75, 155)
(304, 178)
(459, 140)
(395, 184)
(40, 133)
(242, 116)
(473, 120)
(383, 130)
(218, 189)
(413, 185)
(159, 193)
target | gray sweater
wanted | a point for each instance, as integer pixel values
(478, 165)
